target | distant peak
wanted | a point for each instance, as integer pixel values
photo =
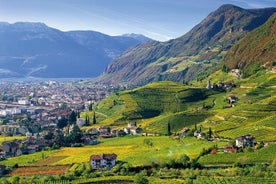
(140, 37)
(32, 24)
(226, 8)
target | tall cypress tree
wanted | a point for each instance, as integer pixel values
(86, 120)
(169, 128)
(94, 118)
(210, 133)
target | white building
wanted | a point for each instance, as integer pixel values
(103, 161)
(80, 122)
(24, 102)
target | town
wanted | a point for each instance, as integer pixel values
(38, 110)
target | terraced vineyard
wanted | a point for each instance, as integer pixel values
(264, 155)
(233, 180)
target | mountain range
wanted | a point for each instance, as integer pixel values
(184, 58)
(36, 50)
(231, 105)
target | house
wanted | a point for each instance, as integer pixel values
(32, 149)
(135, 130)
(184, 132)
(232, 99)
(10, 148)
(244, 141)
(103, 161)
(201, 135)
(104, 130)
(230, 149)
(80, 122)
(196, 133)
(89, 139)
(132, 128)
(120, 133)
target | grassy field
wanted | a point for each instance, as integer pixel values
(26, 160)
(3, 138)
(130, 149)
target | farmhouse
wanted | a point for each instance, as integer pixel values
(103, 161)
(230, 149)
(245, 140)
(232, 99)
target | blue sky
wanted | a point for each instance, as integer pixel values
(158, 19)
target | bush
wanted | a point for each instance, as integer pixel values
(140, 179)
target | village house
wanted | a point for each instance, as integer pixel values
(184, 132)
(104, 132)
(232, 99)
(230, 149)
(80, 122)
(10, 148)
(103, 161)
(89, 139)
(132, 129)
(244, 141)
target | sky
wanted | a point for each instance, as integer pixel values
(158, 19)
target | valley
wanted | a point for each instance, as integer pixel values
(200, 108)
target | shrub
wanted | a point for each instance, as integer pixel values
(140, 179)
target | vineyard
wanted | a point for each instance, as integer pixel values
(264, 155)
(233, 180)
(39, 170)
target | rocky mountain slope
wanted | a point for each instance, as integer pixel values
(36, 50)
(255, 49)
(185, 57)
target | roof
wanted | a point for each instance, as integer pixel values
(245, 137)
(103, 156)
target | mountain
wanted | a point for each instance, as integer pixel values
(36, 50)
(252, 111)
(255, 49)
(185, 57)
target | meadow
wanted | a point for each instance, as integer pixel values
(130, 149)
(134, 151)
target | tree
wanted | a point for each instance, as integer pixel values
(94, 118)
(148, 142)
(90, 108)
(210, 133)
(76, 135)
(73, 117)
(78, 114)
(49, 136)
(87, 120)
(225, 69)
(62, 122)
(169, 129)
(184, 160)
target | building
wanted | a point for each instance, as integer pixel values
(244, 141)
(103, 161)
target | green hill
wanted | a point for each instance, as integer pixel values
(155, 105)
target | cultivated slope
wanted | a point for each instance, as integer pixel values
(183, 58)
